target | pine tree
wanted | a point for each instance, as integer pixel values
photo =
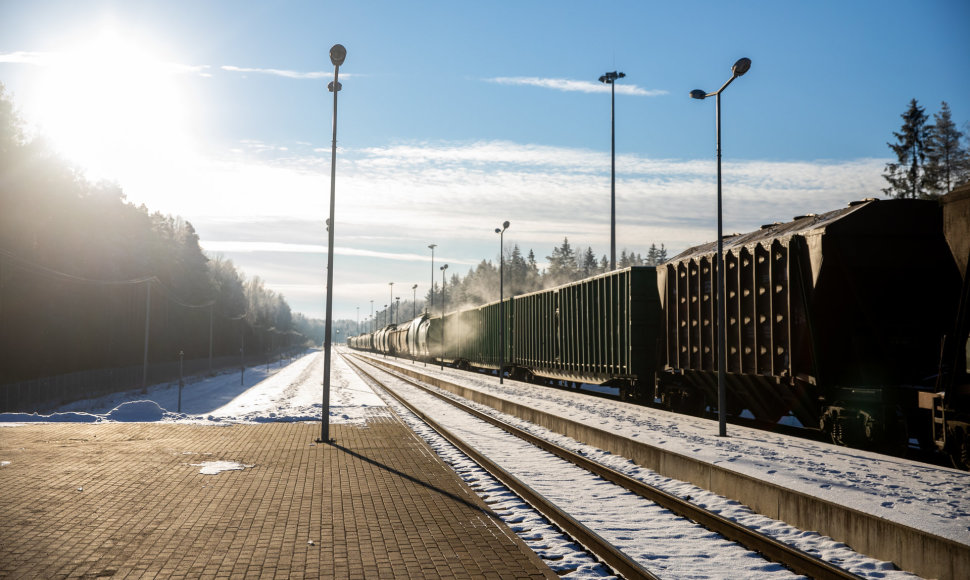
(624, 260)
(588, 266)
(562, 264)
(652, 255)
(945, 157)
(907, 176)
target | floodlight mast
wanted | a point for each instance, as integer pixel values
(337, 55)
(610, 79)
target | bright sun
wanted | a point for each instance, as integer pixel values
(110, 105)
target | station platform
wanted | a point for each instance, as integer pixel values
(127, 500)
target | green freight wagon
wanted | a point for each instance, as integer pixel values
(601, 330)
(471, 337)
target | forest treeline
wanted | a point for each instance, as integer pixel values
(522, 274)
(81, 269)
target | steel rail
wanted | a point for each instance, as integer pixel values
(797, 560)
(599, 547)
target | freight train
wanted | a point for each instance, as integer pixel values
(854, 322)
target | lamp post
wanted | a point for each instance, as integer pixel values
(740, 67)
(610, 79)
(432, 247)
(337, 55)
(391, 284)
(442, 357)
(414, 301)
(372, 321)
(501, 300)
(443, 268)
(397, 309)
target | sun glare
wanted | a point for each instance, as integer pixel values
(111, 105)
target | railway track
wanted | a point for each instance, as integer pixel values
(606, 550)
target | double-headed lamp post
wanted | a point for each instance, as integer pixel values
(501, 299)
(610, 79)
(337, 55)
(432, 247)
(739, 68)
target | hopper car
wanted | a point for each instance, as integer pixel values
(835, 319)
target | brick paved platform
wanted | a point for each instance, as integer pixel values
(124, 500)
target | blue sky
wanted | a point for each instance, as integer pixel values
(456, 116)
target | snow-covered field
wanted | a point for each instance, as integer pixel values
(265, 394)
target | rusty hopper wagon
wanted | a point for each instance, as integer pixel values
(834, 318)
(949, 402)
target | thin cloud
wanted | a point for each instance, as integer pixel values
(569, 85)
(178, 68)
(25, 57)
(290, 74)
(64, 59)
(393, 201)
(285, 248)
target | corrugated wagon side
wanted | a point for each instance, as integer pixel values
(829, 317)
(948, 404)
(602, 330)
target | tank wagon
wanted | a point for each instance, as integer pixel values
(835, 318)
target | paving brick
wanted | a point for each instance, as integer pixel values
(123, 499)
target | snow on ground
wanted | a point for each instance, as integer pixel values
(923, 496)
(265, 394)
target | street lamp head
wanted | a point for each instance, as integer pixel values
(698, 94)
(443, 268)
(609, 77)
(337, 54)
(741, 67)
(432, 246)
(498, 230)
(505, 225)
